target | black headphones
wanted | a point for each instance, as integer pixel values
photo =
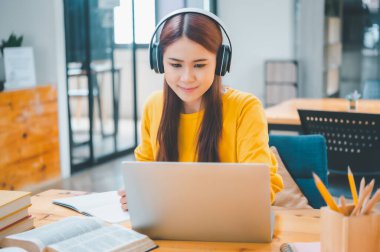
(223, 58)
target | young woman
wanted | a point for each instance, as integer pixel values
(195, 118)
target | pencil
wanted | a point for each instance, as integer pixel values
(371, 185)
(366, 192)
(371, 203)
(343, 205)
(362, 185)
(325, 193)
(351, 180)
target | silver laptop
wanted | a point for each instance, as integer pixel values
(221, 202)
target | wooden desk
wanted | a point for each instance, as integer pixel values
(290, 226)
(284, 116)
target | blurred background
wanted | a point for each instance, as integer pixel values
(95, 54)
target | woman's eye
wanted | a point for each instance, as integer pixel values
(199, 65)
(176, 65)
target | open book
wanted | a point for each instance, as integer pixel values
(80, 234)
(105, 205)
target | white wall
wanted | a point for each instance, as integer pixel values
(310, 38)
(42, 25)
(259, 30)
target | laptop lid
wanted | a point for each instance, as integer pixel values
(225, 202)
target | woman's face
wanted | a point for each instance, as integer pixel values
(189, 71)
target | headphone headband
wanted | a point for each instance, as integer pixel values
(192, 10)
(223, 56)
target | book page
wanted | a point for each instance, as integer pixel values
(58, 231)
(85, 202)
(12, 249)
(108, 238)
(105, 206)
(111, 213)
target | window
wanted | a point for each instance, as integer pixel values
(144, 21)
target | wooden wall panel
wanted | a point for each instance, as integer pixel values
(29, 143)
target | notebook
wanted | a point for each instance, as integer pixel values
(105, 205)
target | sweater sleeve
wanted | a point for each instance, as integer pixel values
(252, 141)
(144, 151)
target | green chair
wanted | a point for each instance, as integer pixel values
(303, 155)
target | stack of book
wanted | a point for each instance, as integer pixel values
(14, 215)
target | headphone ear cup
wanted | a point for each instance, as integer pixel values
(160, 59)
(223, 60)
(156, 59)
(229, 54)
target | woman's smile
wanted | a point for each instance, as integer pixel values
(188, 89)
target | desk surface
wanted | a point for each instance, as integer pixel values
(286, 112)
(290, 226)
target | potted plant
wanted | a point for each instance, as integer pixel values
(12, 41)
(353, 99)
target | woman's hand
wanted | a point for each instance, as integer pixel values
(123, 199)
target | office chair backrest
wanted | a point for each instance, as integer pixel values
(301, 156)
(353, 139)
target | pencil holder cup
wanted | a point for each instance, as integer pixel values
(349, 233)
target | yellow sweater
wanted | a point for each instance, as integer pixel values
(244, 134)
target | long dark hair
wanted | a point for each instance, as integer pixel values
(205, 32)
